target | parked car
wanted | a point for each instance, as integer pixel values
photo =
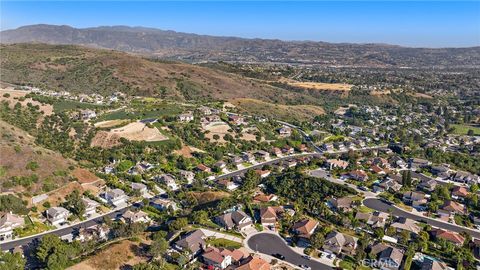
(278, 256)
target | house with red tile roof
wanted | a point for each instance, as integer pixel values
(269, 216)
(254, 263)
(263, 198)
(219, 259)
(305, 228)
(449, 236)
(376, 169)
(358, 175)
(450, 208)
(459, 193)
(203, 168)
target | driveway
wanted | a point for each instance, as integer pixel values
(269, 243)
(383, 207)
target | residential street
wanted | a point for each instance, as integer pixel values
(378, 205)
(269, 243)
(321, 173)
(60, 232)
(88, 223)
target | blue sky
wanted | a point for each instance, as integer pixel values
(408, 23)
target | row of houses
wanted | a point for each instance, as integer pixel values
(195, 243)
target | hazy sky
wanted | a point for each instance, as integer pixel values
(427, 24)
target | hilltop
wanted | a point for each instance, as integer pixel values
(200, 48)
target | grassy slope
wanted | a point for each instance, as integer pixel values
(85, 70)
(17, 149)
(463, 129)
(277, 110)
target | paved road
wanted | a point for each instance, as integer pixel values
(321, 173)
(274, 161)
(305, 135)
(268, 243)
(260, 165)
(61, 232)
(378, 205)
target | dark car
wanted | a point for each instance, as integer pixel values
(278, 256)
(386, 201)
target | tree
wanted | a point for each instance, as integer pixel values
(11, 261)
(14, 204)
(75, 204)
(55, 253)
(407, 178)
(474, 188)
(410, 253)
(124, 165)
(252, 179)
(199, 217)
(159, 235)
(422, 240)
(379, 233)
(363, 243)
(155, 265)
(317, 240)
(178, 224)
(404, 236)
(158, 248)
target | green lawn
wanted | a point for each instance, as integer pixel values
(224, 243)
(463, 129)
(32, 228)
(364, 209)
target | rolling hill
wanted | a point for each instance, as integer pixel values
(198, 48)
(35, 169)
(86, 70)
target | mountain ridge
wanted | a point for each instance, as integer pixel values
(189, 47)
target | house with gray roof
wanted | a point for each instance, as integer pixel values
(115, 197)
(234, 220)
(57, 215)
(192, 242)
(338, 243)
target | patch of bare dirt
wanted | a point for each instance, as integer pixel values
(15, 95)
(84, 176)
(136, 131)
(116, 256)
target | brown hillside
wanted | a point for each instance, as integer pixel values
(85, 70)
(278, 111)
(17, 150)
